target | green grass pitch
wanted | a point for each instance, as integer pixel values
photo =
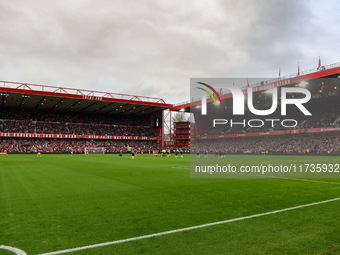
(57, 202)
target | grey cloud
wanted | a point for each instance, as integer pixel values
(152, 48)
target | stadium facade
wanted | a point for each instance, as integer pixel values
(60, 119)
(37, 116)
(311, 134)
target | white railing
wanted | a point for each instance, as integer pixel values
(82, 92)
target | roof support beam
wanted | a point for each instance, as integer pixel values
(101, 108)
(71, 106)
(56, 105)
(88, 106)
(41, 102)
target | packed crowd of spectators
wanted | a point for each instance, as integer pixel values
(18, 145)
(76, 117)
(317, 145)
(322, 116)
(43, 122)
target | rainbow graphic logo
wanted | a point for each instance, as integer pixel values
(209, 93)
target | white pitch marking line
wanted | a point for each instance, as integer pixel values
(306, 180)
(294, 179)
(13, 249)
(186, 229)
(181, 167)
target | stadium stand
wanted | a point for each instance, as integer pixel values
(28, 121)
(58, 120)
(19, 145)
(306, 145)
(42, 122)
(315, 134)
(324, 114)
(54, 119)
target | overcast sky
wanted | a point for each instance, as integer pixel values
(152, 48)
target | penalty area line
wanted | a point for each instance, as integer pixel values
(187, 228)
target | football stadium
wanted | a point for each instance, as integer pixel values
(92, 172)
